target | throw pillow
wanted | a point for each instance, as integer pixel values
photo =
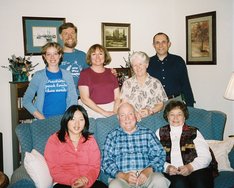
(221, 150)
(36, 166)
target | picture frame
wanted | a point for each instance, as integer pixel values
(37, 31)
(123, 74)
(116, 36)
(201, 39)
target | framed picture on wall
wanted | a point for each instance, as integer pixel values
(116, 36)
(38, 31)
(201, 39)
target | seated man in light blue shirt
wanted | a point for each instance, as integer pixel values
(133, 156)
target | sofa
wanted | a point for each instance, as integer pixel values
(34, 135)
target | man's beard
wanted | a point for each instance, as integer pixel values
(72, 45)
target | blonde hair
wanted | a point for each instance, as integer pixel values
(54, 45)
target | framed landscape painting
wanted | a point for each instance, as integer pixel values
(201, 39)
(38, 31)
(116, 36)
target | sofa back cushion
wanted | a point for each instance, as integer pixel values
(210, 123)
(41, 130)
(103, 127)
(24, 136)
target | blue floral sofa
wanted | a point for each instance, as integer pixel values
(210, 123)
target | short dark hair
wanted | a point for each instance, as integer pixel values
(68, 115)
(67, 25)
(175, 104)
(161, 33)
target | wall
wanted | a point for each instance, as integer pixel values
(147, 18)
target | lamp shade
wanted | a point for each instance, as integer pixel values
(229, 93)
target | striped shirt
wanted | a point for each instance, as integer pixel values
(127, 152)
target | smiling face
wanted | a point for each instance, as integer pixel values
(52, 57)
(98, 57)
(127, 118)
(139, 67)
(76, 124)
(161, 45)
(69, 37)
(176, 117)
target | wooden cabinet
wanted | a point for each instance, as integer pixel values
(18, 115)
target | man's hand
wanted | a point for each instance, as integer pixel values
(172, 170)
(129, 177)
(141, 179)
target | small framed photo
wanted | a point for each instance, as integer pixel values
(116, 36)
(201, 39)
(38, 31)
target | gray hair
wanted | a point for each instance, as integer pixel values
(142, 56)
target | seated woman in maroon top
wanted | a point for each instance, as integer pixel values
(99, 89)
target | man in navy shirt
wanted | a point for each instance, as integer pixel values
(171, 70)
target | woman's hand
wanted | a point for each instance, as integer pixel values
(80, 182)
(144, 112)
(108, 113)
(38, 115)
(185, 170)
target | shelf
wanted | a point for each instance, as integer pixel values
(24, 114)
(18, 115)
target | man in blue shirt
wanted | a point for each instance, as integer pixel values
(133, 156)
(73, 60)
(171, 70)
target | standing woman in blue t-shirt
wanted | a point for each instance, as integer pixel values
(53, 87)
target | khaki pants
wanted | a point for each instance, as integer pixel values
(155, 180)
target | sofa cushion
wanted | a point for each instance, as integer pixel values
(203, 123)
(103, 127)
(153, 122)
(225, 179)
(221, 150)
(41, 131)
(36, 166)
(24, 136)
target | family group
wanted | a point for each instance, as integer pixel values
(79, 86)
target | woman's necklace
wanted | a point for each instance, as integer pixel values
(75, 143)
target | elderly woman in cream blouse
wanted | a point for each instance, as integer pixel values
(143, 91)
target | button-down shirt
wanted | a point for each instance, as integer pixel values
(125, 152)
(172, 73)
(143, 96)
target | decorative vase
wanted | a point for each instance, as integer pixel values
(20, 77)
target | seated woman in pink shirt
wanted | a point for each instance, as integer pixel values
(72, 153)
(98, 86)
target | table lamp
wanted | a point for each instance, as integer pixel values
(229, 93)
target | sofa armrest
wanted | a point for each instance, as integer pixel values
(231, 157)
(20, 178)
(23, 133)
